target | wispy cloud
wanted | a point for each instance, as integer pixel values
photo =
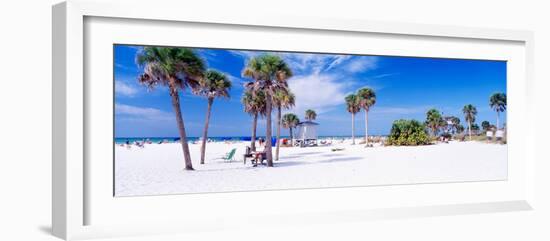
(397, 110)
(124, 89)
(306, 63)
(145, 113)
(237, 82)
(129, 67)
(381, 76)
(245, 54)
(337, 61)
(362, 64)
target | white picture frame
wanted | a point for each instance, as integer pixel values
(71, 190)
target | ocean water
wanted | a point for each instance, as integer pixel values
(121, 140)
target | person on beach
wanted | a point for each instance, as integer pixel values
(127, 142)
(260, 156)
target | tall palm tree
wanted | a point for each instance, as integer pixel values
(290, 121)
(367, 99)
(470, 113)
(269, 73)
(214, 84)
(254, 104)
(498, 103)
(311, 115)
(434, 120)
(177, 68)
(353, 107)
(281, 99)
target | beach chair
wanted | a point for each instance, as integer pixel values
(229, 156)
(247, 154)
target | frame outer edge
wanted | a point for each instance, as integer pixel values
(74, 92)
(162, 12)
(59, 116)
(531, 94)
(68, 96)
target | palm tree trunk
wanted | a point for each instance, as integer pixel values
(366, 127)
(470, 129)
(181, 125)
(278, 133)
(353, 128)
(205, 132)
(498, 117)
(268, 133)
(253, 139)
(291, 137)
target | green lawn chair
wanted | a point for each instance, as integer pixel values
(229, 156)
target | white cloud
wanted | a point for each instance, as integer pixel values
(305, 62)
(338, 60)
(362, 64)
(400, 110)
(245, 53)
(315, 63)
(380, 76)
(236, 81)
(319, 92)
(124, 89)
(137, 112)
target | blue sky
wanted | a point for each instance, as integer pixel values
(406, 88)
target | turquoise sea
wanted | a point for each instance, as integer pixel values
(122, 140)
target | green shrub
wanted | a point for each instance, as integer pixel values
(408, 133)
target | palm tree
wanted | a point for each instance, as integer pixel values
(455, 122)
(352, 106)
(459, 129)
(434, 120)
(310, 115)
(254, 104)
(475, 127)
(177, 68)
(470, 113)
(366, 98)
(214, 84)
(290, 121)
(485, 125)
(498, 103)
(281, 99)
(269, 73)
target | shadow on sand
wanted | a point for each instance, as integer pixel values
(306, 153)
(296, 163)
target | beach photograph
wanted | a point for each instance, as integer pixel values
(205, 120)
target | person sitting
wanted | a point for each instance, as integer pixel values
(284, 142)
(489, 135)
(259, 156)
(499, 136)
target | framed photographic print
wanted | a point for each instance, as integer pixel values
(164, 123)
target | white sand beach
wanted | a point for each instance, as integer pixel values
(158, 168)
